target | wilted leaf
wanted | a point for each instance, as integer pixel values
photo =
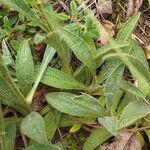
(147, 51)
(33, 126)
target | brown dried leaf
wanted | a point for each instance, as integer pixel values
(124, 141)
(147, 51)
(106, 34)
(109, 26)
(104, 6)
(132, 6)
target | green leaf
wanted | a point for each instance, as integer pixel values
(79, 47)
(113, 81)
(52, 78)
(2, 131)
(148, 133)
(96, 138)
(63, 51)
(75, 105)
(23, 8)
(128, 98)
(110, 123)
(7, 58)
(25, 67)
(108, 48)
(67, 120)
(127, 30)
(51, 123)
(142, 74)
(43, 147)
(10, 130)
(38, 38)
(48, 55)
(63, 16)
(89, 41)
(12, 120)
(138, 52)
(129, 87)
(132, 112)
(33, 126)
(74, 8)
(9, 92)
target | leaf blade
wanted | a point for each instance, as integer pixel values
(79, 47)
(130, 113)
(25, 67)
(126, 31)
(34, 127)
(52, 77)
(75, 105)
(43, 147)
(96, 138)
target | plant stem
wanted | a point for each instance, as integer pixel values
(53, 28)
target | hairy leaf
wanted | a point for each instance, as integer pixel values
(126, 31)
(25, 67)
(7, 58)
(110, 123)
(51, 123)
(97, 137)
(79, 47)
(113, 81)
(132, 112)
(33, 126)
(48, 55)
(58, 79)
(141, 74)
(9, 92)
(75, 105)
(131, 89)
(74, 8)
